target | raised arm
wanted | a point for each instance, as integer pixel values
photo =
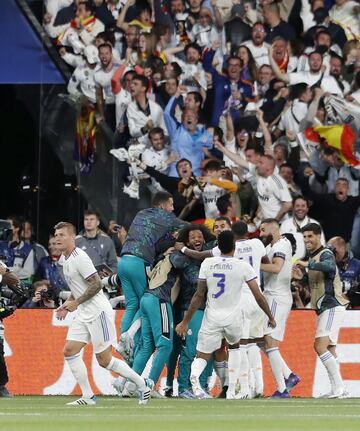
(277, 72)
(121, 23)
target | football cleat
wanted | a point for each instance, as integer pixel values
(187, 395)
(145, 393)
(83, 401)
(200, 394)
(278, 394)
(168, 391)
(292, 381)
(242, 396)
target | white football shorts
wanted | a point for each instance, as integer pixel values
(211, 334)
(280, 310)
(100, 332)
(329, 323)
(254, 318)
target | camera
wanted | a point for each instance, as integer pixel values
(116, 228)
(48, 294)
(12, 298)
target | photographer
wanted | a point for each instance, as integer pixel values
(349, 270)
(43, 297)
(9, 279)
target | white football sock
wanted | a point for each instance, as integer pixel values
(285, 369)
(135, 326)
(233, 368)
(255, 363)
(276, 364)
(333, 369)
(122, 368)
(197, 367)
(244, 370)
(221, 370)
(79, 371)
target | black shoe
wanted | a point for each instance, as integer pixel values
(5, 393)
(223, 392)
(168, 391)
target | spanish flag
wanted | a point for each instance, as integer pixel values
(341, 138)
(85, 139)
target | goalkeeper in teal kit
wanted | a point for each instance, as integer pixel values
(138, 254)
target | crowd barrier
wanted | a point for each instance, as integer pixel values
(34, 342)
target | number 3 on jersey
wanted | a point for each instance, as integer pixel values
(220, 284)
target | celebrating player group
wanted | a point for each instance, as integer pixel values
(205, 306)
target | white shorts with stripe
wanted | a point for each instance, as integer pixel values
(211, 334)
(329, 323)
(254, 317)
(280, 310)
(100, 332)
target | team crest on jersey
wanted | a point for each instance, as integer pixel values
(189, 332)
(83, 247)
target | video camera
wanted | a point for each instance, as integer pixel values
(11, 297)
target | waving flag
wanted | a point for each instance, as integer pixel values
(340, 137)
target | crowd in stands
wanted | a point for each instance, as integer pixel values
(242, 109)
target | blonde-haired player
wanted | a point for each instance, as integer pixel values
(94, 321)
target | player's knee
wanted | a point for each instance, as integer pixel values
(68, 351)
(103, 362)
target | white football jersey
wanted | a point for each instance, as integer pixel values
(272, 192)
(102, 79)
(279, 284)
(224, 277)
(77, 268)
(250, 251)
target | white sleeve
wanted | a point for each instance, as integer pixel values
(261, 248)
(73, 84)
(84, 265)
(216, 251)
(280, 250)
(202, 272)
(249, 273)
(282, 191)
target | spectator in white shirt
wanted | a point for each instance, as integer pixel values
(346, 13)
(311, 77)
(295, 223)
(334, 83)
(105, 98)
(259, 48)
(142, 113)
(274, 196)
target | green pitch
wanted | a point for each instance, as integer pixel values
(110, 413)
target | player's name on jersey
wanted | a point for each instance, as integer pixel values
(222, 266)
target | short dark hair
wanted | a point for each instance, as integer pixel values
(144, 81)
(223, 218)
(193, 45)
(226, 241)
(303, 198)
(240, 229)
(312, 227)
(183, 160)
(177, 69)
(197, 96)
(108, 36)
(88, 5)
(105, 45)
(322, 31)
(212, 165)
(92, 212)
(160, 198)
(223, 203)
(342, 179)
(66, 225)
(156, 130)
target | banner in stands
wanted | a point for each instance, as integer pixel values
(34, 341)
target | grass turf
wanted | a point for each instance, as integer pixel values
(111, 413)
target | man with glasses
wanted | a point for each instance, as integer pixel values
(257, 45)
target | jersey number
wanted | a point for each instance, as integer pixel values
(221, 285)
(250, 259)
